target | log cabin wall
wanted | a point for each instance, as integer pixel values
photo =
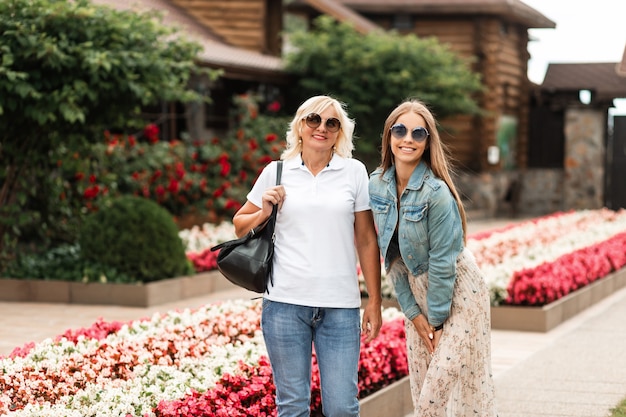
(254, 25)
(497, 50)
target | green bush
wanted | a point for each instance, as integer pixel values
(69, 70)
(373, 73)
(63, 263)
(137, 237)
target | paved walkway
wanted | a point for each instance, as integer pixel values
(576, 369)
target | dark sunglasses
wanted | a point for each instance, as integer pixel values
(419, 134)
(313, 121)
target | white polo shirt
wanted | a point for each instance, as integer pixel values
(314, 254)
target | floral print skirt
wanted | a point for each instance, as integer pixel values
(456, 380)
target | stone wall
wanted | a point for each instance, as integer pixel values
(583, 184)
(529, 193)
(536, 192)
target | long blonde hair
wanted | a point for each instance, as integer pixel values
(435, 155)
(317, 104)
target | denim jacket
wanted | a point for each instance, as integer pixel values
(430, 236)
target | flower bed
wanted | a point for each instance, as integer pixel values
(532, 263)
(540, 272)
(205, 362)
(537, 262)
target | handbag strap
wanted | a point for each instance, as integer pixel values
(279, 171)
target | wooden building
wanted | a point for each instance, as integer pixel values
(253, 25)
(493, 36)
(241, 38)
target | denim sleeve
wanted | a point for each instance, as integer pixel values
(445, 233)
(405, 297)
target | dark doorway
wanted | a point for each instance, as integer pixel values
(546, 138)
(616, 166)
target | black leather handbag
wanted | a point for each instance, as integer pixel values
(247, 261)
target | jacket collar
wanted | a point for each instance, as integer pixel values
(417, 177)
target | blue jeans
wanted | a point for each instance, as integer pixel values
(290, 331)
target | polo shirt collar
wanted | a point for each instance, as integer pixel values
(336, 162)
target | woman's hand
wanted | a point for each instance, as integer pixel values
(250, 216)
(428, 335)
(372, 320)
(271, 196)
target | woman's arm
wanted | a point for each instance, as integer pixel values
(369, 258)
(445, 235)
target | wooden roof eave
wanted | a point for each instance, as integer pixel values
(344, 14)
(512, 10)
(336, 10)
(236, 72)
(238, 62)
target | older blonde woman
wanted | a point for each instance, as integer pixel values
(323, 223)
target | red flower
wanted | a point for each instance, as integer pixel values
(151, 132)
(91, 192)
(271, 137)
(92, 178)
(180, 170)
(160, 191)
(232, 204)
(264, 160)
(225, 166)
(274, 106)
(173, 186)
(218, 192)
(79, 176)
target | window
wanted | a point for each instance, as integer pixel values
(403, 22)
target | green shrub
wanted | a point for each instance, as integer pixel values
(137, 237)
(63, 263)
(372, 73)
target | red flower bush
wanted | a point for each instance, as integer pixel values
(550, 281)
(204, 261)
(209, 177)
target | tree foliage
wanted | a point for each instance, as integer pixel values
(373, 73)
(68, 70)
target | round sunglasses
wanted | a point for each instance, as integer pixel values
(313, 120)
(399, 131)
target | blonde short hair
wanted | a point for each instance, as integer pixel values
(318, 104)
